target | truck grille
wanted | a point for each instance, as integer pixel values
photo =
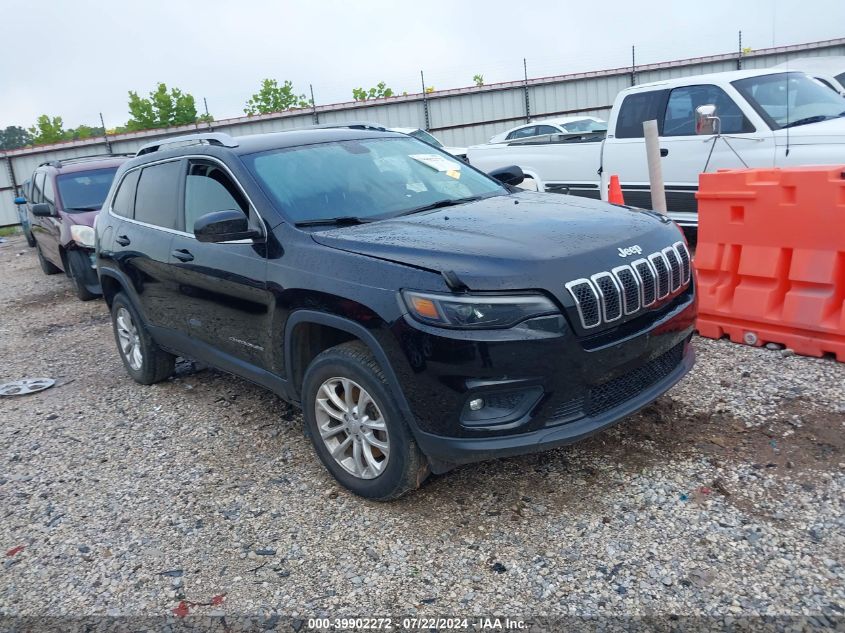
(606, 296)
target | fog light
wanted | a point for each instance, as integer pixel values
(476, 405)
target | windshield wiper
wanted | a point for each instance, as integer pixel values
(439, 205)
(90, 207)
(810, 119)
(344, 220)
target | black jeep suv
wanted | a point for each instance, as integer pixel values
(422, 313)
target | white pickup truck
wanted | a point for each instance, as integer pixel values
(754, 118)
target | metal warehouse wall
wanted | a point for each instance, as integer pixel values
(459, 117)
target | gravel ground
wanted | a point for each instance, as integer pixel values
(723, 498)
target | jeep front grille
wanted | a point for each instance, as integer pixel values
(606, 296)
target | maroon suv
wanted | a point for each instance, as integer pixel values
(66, 198)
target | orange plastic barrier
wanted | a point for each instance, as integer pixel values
(770, 261)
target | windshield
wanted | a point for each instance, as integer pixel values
(841, 78)
(425, 136)
(585, 125)
(789, 99)
(365, 179)
(84, 190)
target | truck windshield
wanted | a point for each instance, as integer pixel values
(790, 99)
(84, 190)
(365, 179)
(585, 125)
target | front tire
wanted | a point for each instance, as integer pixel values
(77, 261)
(48, 268)
(355, 426)
(29, 238)
(145, 361)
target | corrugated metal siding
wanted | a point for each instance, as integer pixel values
(459, 117)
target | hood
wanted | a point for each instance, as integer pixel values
(831, 131)
(456, 151)
(519, 241)
(85, 218)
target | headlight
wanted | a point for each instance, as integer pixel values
(475, 311)
(82, 235)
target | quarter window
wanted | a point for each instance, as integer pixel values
(523, 132)
(547, 129)
(157, 199)
(679, 119)
(636, 109)
(124, 199)
(207, 189)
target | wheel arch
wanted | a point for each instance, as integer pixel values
(347, 330)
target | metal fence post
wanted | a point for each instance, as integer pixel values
(739, 53)
(425, 103)
(105, 134)
(314, 106)
(525, 89)
(633, 65)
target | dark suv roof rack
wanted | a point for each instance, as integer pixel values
(60, 162)
(353, 125)
(206, 138)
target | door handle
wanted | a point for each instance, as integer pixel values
(122, 240)
(183, 255)
(664, 152)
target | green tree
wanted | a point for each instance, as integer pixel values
(379, 92)
(48, 130)
(14, 137)
(84, 131)
(163, 108)
(478, 79)
(275, 98)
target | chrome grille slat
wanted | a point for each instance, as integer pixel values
(625, 290)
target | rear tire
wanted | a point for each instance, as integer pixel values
(359, 421)
(47, 267)
(145, 361)
(77, 261)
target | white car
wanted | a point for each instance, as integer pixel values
(828, 70)
(457, 152)
(561, 125)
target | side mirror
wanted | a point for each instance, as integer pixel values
(706, 121)
(20, 200)
(223, 226)
(42, 210)
(508, 175)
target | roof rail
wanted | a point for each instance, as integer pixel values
(59, 162)
(353, 125)
(206, 138)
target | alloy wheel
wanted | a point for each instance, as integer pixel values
(129, 339)
(352, 427)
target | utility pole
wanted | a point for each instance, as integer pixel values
(525, 89)
(425, 102)
(314, 106)
(105, 134)
(207, 116)
(739, 53)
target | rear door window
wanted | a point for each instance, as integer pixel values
(209, 188)
(124, 200)
(157, 198)
(637, 108)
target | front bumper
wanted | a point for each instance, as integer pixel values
(446, 452)
(86, 268)
(583, 384)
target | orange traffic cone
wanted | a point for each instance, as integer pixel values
(614, 195)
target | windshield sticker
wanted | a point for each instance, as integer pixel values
(454, 173)
(435, 161)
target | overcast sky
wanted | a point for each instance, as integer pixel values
(78, 58)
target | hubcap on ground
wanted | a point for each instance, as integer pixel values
(130, 341)
(352, 427)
